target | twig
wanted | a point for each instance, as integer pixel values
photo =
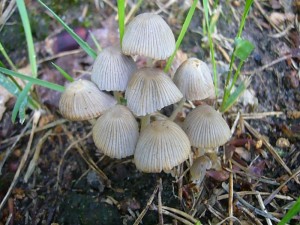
(36, 117)
(230, 197)
(270, 198)
(181, 213)
(9, 151)
(248, 213)
(269, 147)
(36, 155)
(160, 216)
(262, 206)
(243, 193)
(149, 202)
(252, 208)
(184, 221)
(283, 58)
(259, 115)
(72, 52)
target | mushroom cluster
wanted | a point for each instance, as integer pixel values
(161, 144)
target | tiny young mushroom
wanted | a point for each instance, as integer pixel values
(82, 100)
(199, 167)
(162, 145)
(148, 35)
(116, 132)
(150, 90)
(207, 130)
(194, 80)
(112, 69)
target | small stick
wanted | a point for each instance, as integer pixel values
(269, 147)
(262, 206)
(160, 216)
(184, 221)
(142, 214)
(181, 213)
(243, 193)
(270, 198)
(248, 213)
(36, 118)
(230, 196)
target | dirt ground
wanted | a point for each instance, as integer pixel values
(67, 185)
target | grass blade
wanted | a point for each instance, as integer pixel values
(243, 48)
(211, 46)
(28, 34)
(291, 213)
(21, 101)
(12, 65)
(182, 34)
(81, 42)
(37, 81)
(8, 85)
(64, 73)
(121, 16)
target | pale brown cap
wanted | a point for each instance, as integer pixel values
(194, 80)
(206, 128)
(199, 167)
(82, 100)
(116, 132)
(148, 35)
(150, 90)
(112, 70)
(161, 146)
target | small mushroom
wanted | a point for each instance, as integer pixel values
(148, 35)
(194, 80)
(161, 146)
(206, 128)
(199, 167)
(112, 70)
(150, 90)
(82, 100)
(116, 132)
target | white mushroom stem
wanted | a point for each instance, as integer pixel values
(177, 109)
(145, 120)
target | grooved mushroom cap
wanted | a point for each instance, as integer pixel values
(150, 90)
(112, 70)
(161, 146)
(148, 35)
(116, 132)
(194, 80)
(206, 128)
(82, 100)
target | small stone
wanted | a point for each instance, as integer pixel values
(283, 143)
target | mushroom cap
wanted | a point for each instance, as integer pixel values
(82, 100)
(148, 35)
(150, 90)
(116, 132)
(206, 128)
(112, 69)
(199, 167)
(161, 146)
(194, 80)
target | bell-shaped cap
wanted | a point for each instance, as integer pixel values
(194, 80)
(116, 132)
(148, 35)
(112, 69)
(82, 100)
(206, 128)
(161, 146)
(150, 90)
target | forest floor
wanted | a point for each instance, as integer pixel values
(64, 186)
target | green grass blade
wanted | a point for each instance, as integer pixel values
(182, 34)
(81, 42)
(245, 14)
(28, 34)
(121, 16)
(64, 73)
(21, 100)
(12, 65)
(95, 41)
(234, 96)
(211, 46)
(291, 213)
(8, 85)
(37, 81)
